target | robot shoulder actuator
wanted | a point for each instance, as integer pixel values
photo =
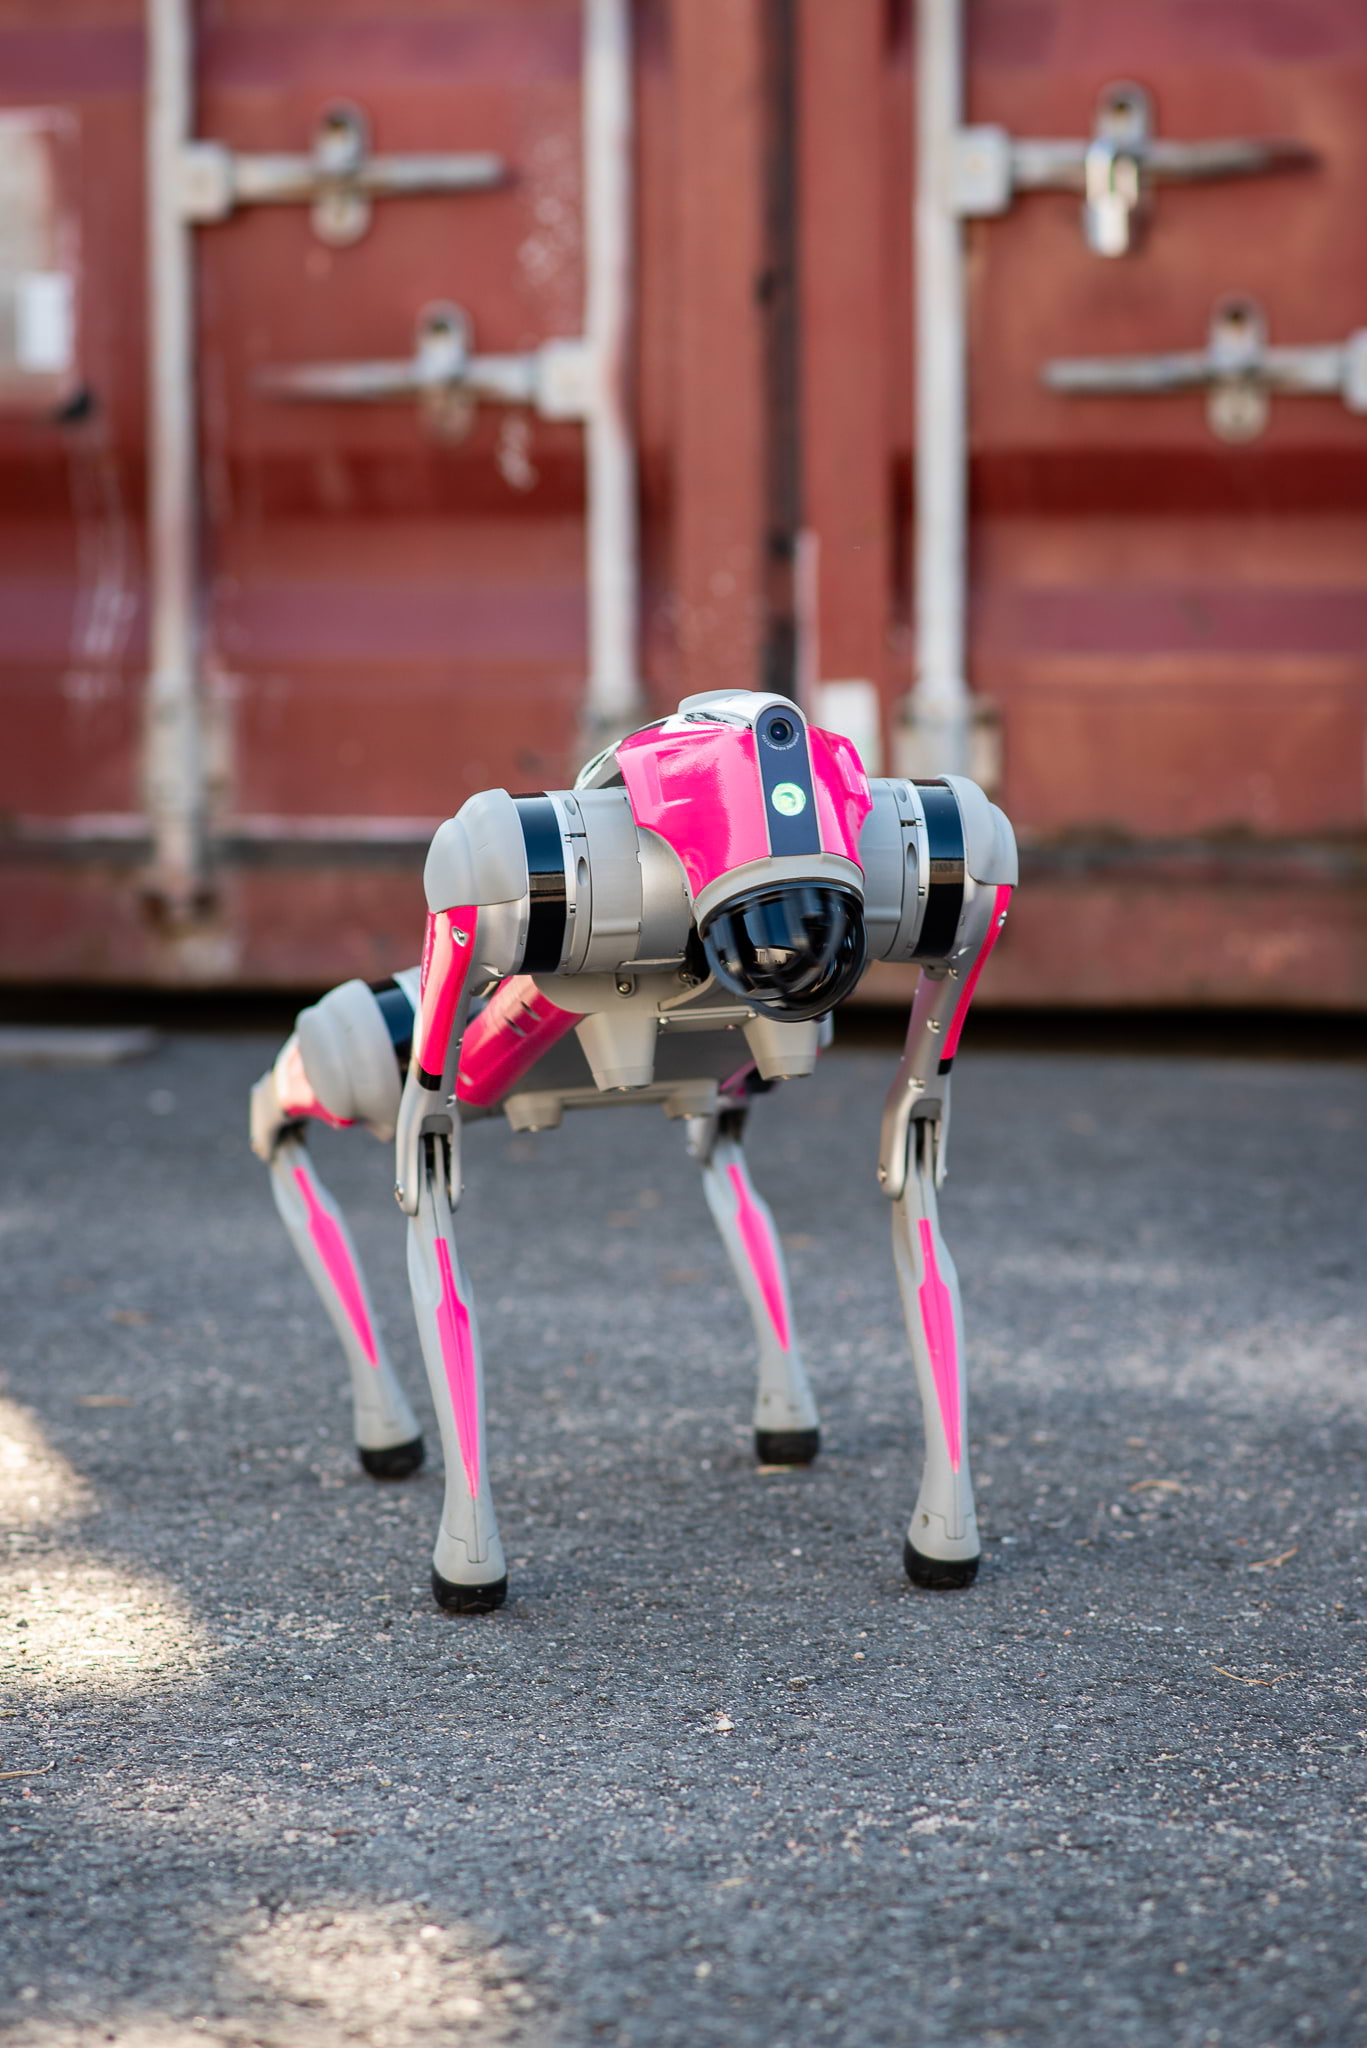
(479, 857)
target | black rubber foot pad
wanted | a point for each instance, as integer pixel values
(395, 1461)
(787, 1446)
(938, 1574)
(468, 1599)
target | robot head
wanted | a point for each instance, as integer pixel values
(764, 814)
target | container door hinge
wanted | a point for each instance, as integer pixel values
(339, 178)
(1237, 368)
(1114, 170)
(447, 379)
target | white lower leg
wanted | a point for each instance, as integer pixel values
(783, 1403)
(382, 1417)
(944, 1526)
(468, 1554)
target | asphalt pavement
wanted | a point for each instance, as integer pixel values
(716, 1775)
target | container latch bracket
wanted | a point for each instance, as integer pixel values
(1238, 368)
(1114, 169)
(447, 378)
(339, 179)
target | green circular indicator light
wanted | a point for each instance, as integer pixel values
(788, 799)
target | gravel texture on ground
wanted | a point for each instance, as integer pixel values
(716, 1775)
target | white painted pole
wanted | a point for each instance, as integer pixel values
(614, 692)
(173, 740)
(941, 716)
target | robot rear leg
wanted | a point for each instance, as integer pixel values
(388, 1439)
(787, 1427)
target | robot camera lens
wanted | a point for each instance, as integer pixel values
(780, 732)
(790, 952)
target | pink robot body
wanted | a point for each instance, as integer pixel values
(727, 872)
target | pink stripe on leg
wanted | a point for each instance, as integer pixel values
(331, 1247)
(458, 1356)
(758, 1239)
(1000, 904)
(937, 1320)
(447, 952)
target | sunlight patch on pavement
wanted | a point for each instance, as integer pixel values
(322, 1976)
(154, 2031)
(381, 1976)
(68, 1621)
(37, 1485)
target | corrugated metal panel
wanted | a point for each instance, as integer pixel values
(1172, 629)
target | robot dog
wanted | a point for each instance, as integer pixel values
(676, 929)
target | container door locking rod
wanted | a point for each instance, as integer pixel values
(339, 178)
(1238, 368)
(1114, 170)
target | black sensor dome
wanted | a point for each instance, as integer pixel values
(790, 950)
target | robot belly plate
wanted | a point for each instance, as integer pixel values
(527, 1061)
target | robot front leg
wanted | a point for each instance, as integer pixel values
(787, 1427)
(942, 1547)
(469, 1575)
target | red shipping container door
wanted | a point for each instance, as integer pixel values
(1167, 593)
(390, 598)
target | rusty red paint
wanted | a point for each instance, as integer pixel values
(1174, 632)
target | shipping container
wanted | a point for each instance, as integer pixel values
(396, 398)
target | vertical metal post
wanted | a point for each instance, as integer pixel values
(941, 723)
(614, 691)
(782, 654)
(173, 758)
(720, 396)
